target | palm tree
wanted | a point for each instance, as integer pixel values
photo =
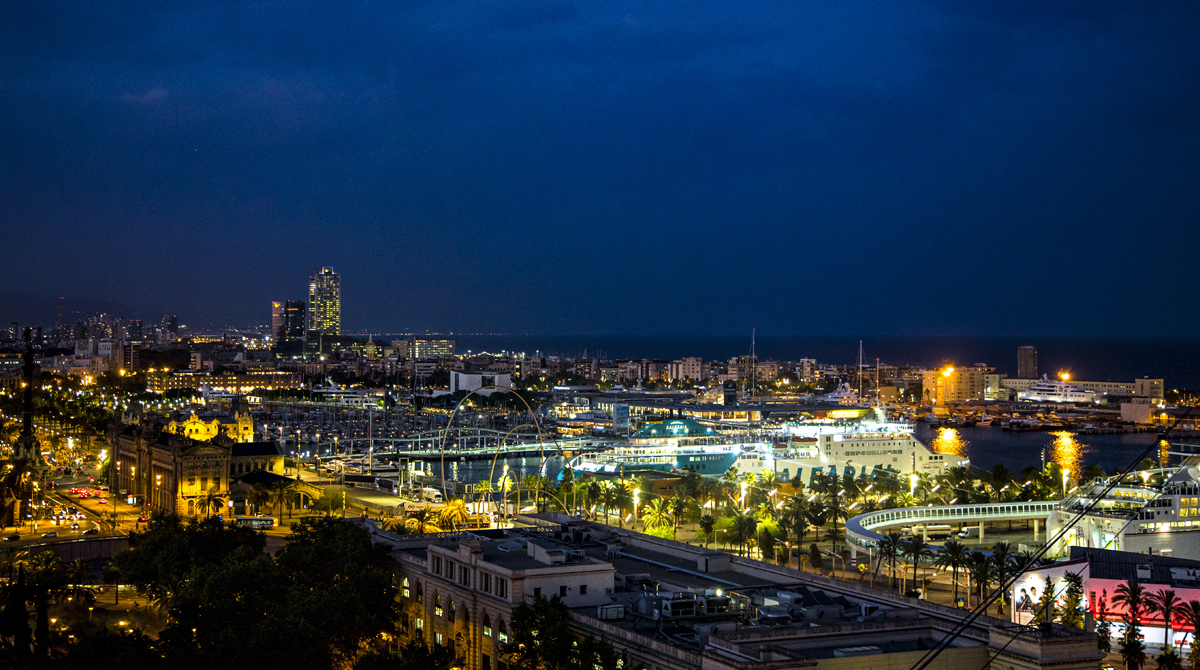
(77, 573)
(529, 482)
(915, 549)
(212, 501)
(983, 573)
(792, 514)
(422, 522)
(680, 504)
(484, 490)
(623, 499)
(707, 522)
(11, 558)
(47, 578)
(889, 548)
(656, 514)
(453, 514)
(644, 488)
(1133, 596)
(952, 556)
(258, 496)
(745, 527)
(818, 514)
(1169, 660)
(608, 498)
(1005, 565)
(281, 495)
(394, 525)
(593, 492)
(1189, 615)
(1168, 605)
(160, 602)
(690, 483)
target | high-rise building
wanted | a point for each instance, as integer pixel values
(324, 303)
(295, 320)
(62, 329)
(277, 318)
(134, 329)
(1027, 362)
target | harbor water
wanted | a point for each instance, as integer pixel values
(989, 445)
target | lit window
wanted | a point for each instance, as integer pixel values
(437, 605)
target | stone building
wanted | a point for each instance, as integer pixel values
(461, 592)
(172, 473)
(238, 427)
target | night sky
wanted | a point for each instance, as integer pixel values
(971, 168)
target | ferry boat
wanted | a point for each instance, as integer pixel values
(677, 445)
(798, 450)
(870, 446)
(1052, 390)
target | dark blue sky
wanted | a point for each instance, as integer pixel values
(612, 167)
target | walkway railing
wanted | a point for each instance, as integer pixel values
(860, 533)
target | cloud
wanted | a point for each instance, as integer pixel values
(152, 95)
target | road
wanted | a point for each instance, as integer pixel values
(31, 533)
(377, 502)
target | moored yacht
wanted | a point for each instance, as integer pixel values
(1053, 390)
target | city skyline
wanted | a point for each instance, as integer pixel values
(852, 170)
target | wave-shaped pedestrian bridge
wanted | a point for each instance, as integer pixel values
(862, 531)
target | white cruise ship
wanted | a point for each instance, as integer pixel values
(800, 450)
(870, 446)
(1052, 390)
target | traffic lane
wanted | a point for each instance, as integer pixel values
(29, 537)
(91, 506)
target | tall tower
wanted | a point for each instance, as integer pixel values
(324, 303)
(1026, 362)
(277, 319)
(62, 330)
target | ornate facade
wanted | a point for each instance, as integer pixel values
(172, 473)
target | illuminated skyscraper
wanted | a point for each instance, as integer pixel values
(324, 303)
(277, 318)
(294, 320)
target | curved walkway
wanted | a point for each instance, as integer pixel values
(861, 536)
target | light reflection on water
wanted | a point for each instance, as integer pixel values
(948, 441)
(986, 446)
(1067, 451)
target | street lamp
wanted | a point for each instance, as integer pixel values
(912, 484)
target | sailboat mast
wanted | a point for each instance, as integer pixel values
(753, 364)
(877, 382)
(860, 367)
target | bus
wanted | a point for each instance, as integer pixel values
(255, 522)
